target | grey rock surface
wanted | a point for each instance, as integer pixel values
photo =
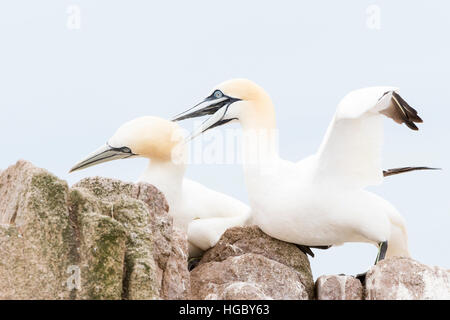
(407, 279)
(339, 287)
(248, 264)
(107, 239)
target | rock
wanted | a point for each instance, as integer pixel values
(176, 284)
(112, 193)
(101, 239)
(101, 251)
(142, 274)
(34, 233)
(339, 287)
(248, 264)
(407, 279)
(107, 239)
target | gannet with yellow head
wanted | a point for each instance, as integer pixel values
(321, 200)
(203, 213)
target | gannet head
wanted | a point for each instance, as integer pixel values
(234, 100)
(150, 137)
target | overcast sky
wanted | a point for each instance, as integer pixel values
(72, 71)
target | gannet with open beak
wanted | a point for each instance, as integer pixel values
(203, 213)
(321, 200)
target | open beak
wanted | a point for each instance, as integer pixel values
(217, 107)
(103, 154)
(208, 106)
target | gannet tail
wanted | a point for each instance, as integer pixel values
(392, 172)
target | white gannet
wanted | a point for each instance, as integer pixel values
(320, 201)
(203, 213)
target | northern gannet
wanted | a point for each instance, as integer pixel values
(203, 213)
(321, 200)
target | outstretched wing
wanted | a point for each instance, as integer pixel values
(350, 153)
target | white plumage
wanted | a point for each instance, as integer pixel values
(321, 200)
(203, 213)
(351, 149)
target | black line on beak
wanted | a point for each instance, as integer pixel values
(220, 123)
(122, 150)
(208, 110)
(111, 152)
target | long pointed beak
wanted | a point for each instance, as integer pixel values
(103, 154)
(208, 106)
(217, 119)
(217, 107)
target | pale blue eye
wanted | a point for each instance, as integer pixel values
(218, 94)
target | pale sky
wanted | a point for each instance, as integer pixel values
(67, 84)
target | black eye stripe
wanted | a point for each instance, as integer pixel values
(125, 150)
(122, 149)
(217, 94)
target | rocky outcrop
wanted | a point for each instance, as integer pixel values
(339, 287)
(406, 279)
(100, 239)
(248, 264)
(391, 279)
(37, 248)
(107, 239)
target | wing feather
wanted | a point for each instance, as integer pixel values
(350, 153)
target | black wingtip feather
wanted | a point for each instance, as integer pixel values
(409, 114)
(412, 126)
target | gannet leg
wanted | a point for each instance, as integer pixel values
(382, 248)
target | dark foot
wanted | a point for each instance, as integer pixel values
(362, 277)
(193, 263)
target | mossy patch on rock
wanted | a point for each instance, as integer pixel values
(102, 250)
(140, 274)
(97, 240)
(33, 243)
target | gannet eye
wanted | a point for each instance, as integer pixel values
(218, 94)
(125, 150)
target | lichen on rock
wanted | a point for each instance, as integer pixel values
(35, 219)
(107, 239)
(100, 239)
